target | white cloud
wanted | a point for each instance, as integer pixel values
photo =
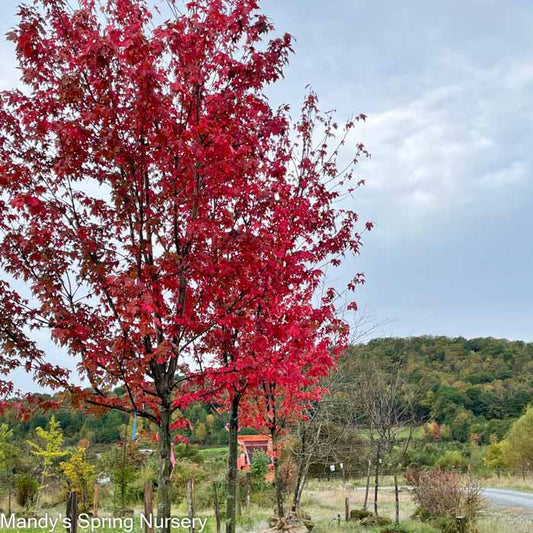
(451, 150)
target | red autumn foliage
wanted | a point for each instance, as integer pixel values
(150, 195)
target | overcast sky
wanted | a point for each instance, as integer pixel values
(448, 90)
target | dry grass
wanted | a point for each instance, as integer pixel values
(325, 500)
(384, 481)
(509, 482)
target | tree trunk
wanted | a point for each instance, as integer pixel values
(367, 490)
(165, 470)
(396, 498)
(231, 499)
(37, 500)
(299, 489)
(376, 481)
(277, 480)
(301, 474)
(300, 481)
(296, 492)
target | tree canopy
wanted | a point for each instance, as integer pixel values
(168, 227)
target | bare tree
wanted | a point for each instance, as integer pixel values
(315, 436)
(327, 422)
(382, 400)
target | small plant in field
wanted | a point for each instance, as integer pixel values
(394, 528)
(49, 450)
(26, 490)
(258, 471)
(124, 463)
(443, 496)
(80, 476)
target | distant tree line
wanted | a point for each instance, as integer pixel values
(472, 389)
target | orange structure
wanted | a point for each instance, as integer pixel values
(251, 444)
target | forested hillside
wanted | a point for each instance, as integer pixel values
(472, 388)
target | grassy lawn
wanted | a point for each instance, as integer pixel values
(219, 454)
(217, 450)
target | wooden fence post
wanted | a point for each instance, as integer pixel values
(461, 524)
(239, 507)
(369, 472)
(190, 503)
(72, 511)
(95, 500)
(248, 492)
(148, 507)
(217, 508)
(347, 509)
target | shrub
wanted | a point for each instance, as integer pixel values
(80, 476)
(442, 496)
(184, 471)
(394, 528)
(359, 514)
(258, 471)
(124, 463)
(189, 453)
(452, 460)
(26, 489)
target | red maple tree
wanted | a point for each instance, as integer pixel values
(270, 362)
(286, 381)
(156, 213)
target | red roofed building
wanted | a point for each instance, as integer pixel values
(251, 444)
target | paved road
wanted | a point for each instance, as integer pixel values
(510, 498)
